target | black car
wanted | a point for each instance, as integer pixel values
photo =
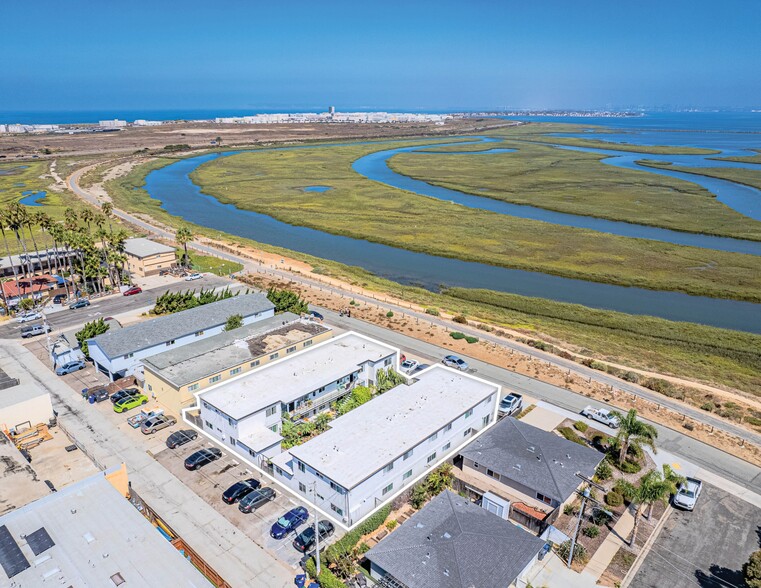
(316, 315)
(202, 457)
(180, 438)
(79, 304)
(255, 499)
(124, 394)
(304, 541)
(238, 490)
(100, 394)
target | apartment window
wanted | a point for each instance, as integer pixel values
(232, 441)
(447, 446)
(407, 455)
(433, 437)
(431, 457)
(336, 487)
(467, 432)
(209, 425)
(206, 405)
(275, 355)
(302, 467)
(475, 464)
(273, 428)
(407, 474)
(486, 420)
(271, 410)
(307, 343)
(387, 362)
(448, 427)
(543, 498)
(388, 468)
(335, 509)
(469, 413)
(213, 379)
(199, 333)
(254, 363)
(234, 371)
(291, 349)
(192, 387)
(488, 400)
(388, 489)
(492, 474)
(302, 487)
(231, 421)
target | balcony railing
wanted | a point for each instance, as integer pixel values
(321, 401)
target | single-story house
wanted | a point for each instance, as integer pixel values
(452, 543)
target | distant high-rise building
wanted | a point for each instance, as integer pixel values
(331, 109)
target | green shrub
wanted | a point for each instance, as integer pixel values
(390, 314)
(600, 517)
(597, 365)
(391, 525)
(571, 435)
(460, 319)
(353, 303)
(755, 421)
(603, 471)
(432, 311)
(591, 531)
(363, 547)
(688, 426)
(709, 406)
(630, 377)
(628, 467)
(570, 509)
(90, 330)
(471, 340)
(579, 552)
(581, 426)
(418, 496)
(457, 335)
(599, 440)
(614, 499)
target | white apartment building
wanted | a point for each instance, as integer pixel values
(245, 412)
(119, 353)
(112, 124)
(381, 448)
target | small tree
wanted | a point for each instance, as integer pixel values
(184, 236)
(89, 331)
(418, 496)
(287, 301)
(632, 435)
(752, 570)
(321, 421)
(234, 321)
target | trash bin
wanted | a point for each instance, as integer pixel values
(91, 399)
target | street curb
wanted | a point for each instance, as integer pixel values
(646, 549)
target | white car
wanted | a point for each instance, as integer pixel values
(195, 276)
(455, 362)
(688, 493)
(28, 316)
(408, 366)
(602, 415)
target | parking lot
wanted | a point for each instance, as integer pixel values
(705, 548)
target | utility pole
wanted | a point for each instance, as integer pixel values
(316, 530)
(584, 497)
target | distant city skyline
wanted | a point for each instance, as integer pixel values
(422, 56)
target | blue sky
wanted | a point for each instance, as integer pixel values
(81, 55)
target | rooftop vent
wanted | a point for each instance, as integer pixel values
(517, 466)
(531, 448)
(89, 537)
(446, 536)
(117, 579)
(568, 456)
(419, 525)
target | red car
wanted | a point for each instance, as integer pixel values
(132, 291)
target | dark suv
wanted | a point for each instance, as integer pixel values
(304, 541)
(238, 490)
(202, 457)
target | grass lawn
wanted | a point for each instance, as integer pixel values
(210, 264)
(577, 183)
(700, 353)
(749, 177)
(745, 159)
(272, 183)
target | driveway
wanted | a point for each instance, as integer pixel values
(705, 548)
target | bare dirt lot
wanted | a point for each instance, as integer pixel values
(197, 135)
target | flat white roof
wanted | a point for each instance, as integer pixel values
(95, 533)
(290, 378)
(260, 439)
(369, 437)
(141, 247)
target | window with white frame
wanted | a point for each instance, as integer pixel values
(492, 474)
(307, 343)
(301, 466)
(273, 428)
(407, 474)
(214, 379)
(434, 436)
(486, 419)
(388, 489)
(235, 371)
(469, 413)
(543, 498)
(209, 425)
(193, 387)
(388, 468)
(448, 427)
(431, 457)
(407, 455)
(336, 509)
(254, 363)
(291, 349)
(274, 355)
(302, 487)
(387, 362)
(271, 410)
(467, 432)
(446, 447)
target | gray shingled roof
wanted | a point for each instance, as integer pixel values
(452, 543)
(173, 326)
(548, 463)
(141, 247)
(189, 363)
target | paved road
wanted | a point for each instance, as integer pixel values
(111, 306)
(705, 548)
(708, 457)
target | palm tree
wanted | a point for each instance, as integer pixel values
(653, 487)
(633, 434)
(31, 219)
(108, 210)
(4, 222)
(43, 221)
(58, 234)
(183, 236)
(117, 243)
(16, 217)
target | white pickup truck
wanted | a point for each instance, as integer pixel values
(688, 493)
(601, 415)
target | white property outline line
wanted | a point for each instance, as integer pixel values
(305, 499)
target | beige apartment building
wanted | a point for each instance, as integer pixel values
(147, 258)
(174, 377)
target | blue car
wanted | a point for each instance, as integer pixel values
(288, 522)
(72, 366)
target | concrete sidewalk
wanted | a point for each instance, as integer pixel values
(601, 559)
(226, 549)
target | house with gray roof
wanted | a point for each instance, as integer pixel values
(453, 543)
(535, 470)
(146, 257)
(120, 352)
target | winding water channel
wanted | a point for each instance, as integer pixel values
(181, 197)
